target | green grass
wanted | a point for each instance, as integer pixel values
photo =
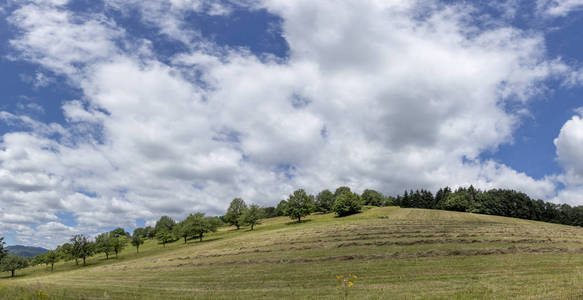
(396, 254)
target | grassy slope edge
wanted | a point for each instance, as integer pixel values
(395, 252)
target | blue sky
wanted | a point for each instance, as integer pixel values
(113, 113)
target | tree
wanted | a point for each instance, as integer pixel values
(441, 196)
(182, 230)
(458, 201)
(149, 232)
(372, 197)
(137, 241)
(119, 232)
(252, 216)
(201, 224)
(65, 251)
(269, 212)
(104, 244)
(405, 200)
(165, 224)
(325, 201)
(236, 209)
(51, 258)
(389, 201)
(119, 243)
(165, 237)
(82, 247)
(38, 260)
(11, 263)
(140, 231)
(299, 204)
(347, 204)
(280, 209)
(341, 191)
(2, 250)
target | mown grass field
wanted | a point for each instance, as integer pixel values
(396, 253)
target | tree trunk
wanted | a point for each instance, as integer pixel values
(76, 262)
(106, 255)
(185, 240)
(299, 219)
(251, 226)
(12, 273)
(83, 260)
(52, 267)
(237, 226)
(200, 237)
(116, 253)
(164, 244)
(138, 249)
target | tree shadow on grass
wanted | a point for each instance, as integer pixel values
(296, 222)
(204, 240)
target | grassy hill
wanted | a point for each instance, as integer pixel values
(396, 253)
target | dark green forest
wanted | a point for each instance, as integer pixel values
(498, 202)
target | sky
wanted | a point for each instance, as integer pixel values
(116, 112)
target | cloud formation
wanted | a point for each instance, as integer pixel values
(380, 94)
(559, 8)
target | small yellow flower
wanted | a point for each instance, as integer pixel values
(354, 276)
(350, 284)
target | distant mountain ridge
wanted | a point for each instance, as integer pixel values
(25, 251)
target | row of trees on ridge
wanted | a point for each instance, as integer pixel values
(342, 201)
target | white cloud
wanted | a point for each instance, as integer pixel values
(49, 39)
(569, 144)
(170, 15)
(559, 8)
(371, 96)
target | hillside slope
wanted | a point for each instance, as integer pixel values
(395, 253)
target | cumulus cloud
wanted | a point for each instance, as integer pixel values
(372, 96)
(569, 144)
(559, 8)
(60, 40)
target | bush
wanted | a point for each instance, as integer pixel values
(347, 204)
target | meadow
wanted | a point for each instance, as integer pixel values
(395, 253)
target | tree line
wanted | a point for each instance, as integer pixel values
(166, 230)
(499, 202)
(343, 202)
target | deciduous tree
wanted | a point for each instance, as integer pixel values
(372, 197)
(347, 204)
(325, 201)
(137, 241)
(82, 247)
(119, 232)
(299, 204)
(51, 258)
(104, 244)
(11, 263)
(236, 209)
(165, 237)
(201, 224)
(2, 250)
(182, 230)
(165, 224)
(65, 251)
(119, 243)
(252, 216)
(280, 209)
(341, 191)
